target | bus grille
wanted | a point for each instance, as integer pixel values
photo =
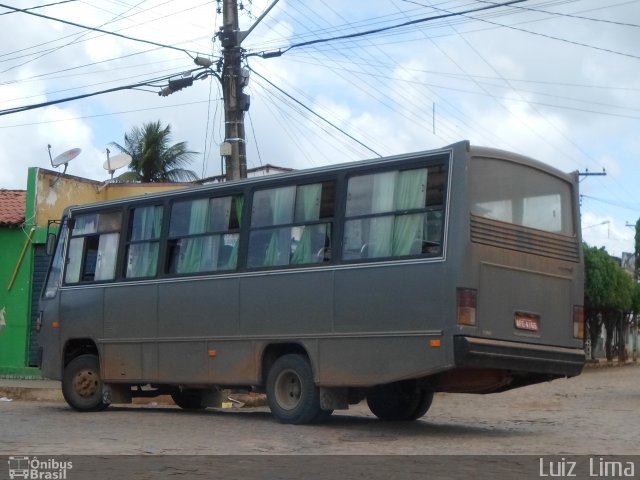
(523, 239)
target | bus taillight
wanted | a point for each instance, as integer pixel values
(578, 322)
(466, 299)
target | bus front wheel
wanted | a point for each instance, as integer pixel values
(291, 392)
(399, 401)
(82, 384)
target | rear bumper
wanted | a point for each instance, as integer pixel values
(471, 352)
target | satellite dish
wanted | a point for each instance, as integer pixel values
(62, 159)
(117, 161)
(65, 157)
(112, 164)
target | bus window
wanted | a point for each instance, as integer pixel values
(53, 277)
(291, 225)
(394, 214)
(203, 234)
(512, 193)
(145, 225)
(93, 247)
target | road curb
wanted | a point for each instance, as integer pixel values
(36, 394)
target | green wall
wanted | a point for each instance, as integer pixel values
(14, 337)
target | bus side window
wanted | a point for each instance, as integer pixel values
(291, 225)
(394, 214)
(203, 234)
(145, 225)
(93, 247)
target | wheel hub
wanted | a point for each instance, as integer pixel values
(85, 383)
(288, 389)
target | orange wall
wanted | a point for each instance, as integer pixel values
(56, 192)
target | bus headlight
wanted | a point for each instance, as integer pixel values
(466, 299)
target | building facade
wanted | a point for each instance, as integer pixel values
(25, 218)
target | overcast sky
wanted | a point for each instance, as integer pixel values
(557, 80)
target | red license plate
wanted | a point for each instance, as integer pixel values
(527, 321)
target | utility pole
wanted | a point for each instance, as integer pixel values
(234, 79)
(234, 148)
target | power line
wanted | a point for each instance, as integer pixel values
(40, 6)
(560, 39)
(67, 22)
(314, 113)
(92, 38)
(147, 83)
(55, 49)
(371, 89)
(36, 77)
(99, 115)
(383, 29)
(569, 15)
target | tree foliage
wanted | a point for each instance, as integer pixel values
(610, 294)
(637, 252)
(153, 159)
(607, 286)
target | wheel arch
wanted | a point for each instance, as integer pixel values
(273, 351)
(74, 347)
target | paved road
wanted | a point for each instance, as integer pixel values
(597, 412)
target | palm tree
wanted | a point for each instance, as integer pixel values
(152, 158)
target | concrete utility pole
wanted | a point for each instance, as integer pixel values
(234, 79)
(235, 102)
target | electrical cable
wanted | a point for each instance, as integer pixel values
(314, 113)
(255, 138)
(55, 49)
(41, 6)
(569, 15)
(148, 83)
(559, 39)
(381, 29)
(99, 115)
(67, 22)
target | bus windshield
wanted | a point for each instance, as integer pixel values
(517, 194)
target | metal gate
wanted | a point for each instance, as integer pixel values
(40, 265)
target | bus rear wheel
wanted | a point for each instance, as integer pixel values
(399, 401)
(82, 384)
(291, 392)
(188, 399)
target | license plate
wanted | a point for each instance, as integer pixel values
(527, 321)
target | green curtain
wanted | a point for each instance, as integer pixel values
(410, 194)
(233, 258)
(194, 256)
(282, 202)
(380, 228)
(307, 210)
(143, 257)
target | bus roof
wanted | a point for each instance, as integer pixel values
(474, 151)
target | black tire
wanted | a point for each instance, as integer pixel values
(82, 384)
(291, 392)
(426, 397)
(322, 417)
(188, 399)
(398, 402)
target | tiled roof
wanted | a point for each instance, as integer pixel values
(12, 206)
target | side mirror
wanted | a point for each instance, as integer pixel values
(51, 243)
